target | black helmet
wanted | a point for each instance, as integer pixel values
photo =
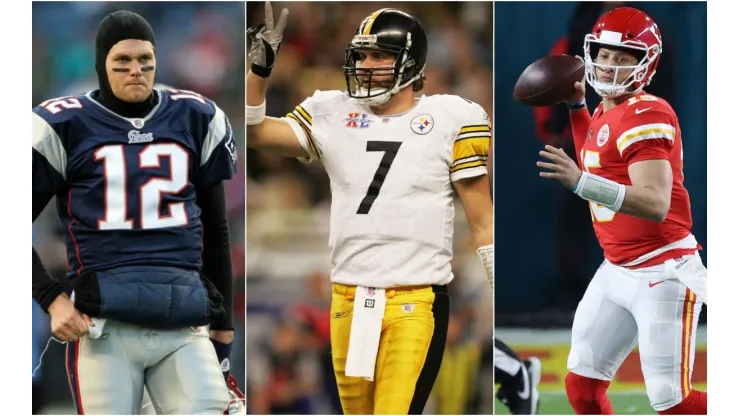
(391, 31)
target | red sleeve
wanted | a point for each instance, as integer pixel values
(647, 131)
(579, 122)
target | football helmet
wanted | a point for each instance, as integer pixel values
(391, 31)
(631, 30)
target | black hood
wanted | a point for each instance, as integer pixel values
(115, 27)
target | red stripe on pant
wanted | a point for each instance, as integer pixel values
(73, 366)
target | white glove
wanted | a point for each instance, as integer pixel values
(265, 41)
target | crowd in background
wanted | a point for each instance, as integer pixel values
(288, 289)
(199, 47)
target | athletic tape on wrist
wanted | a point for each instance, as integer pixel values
(256, 115)
(577, 105)
(485, 254)
(600, 190)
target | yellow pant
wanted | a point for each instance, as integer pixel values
(412, 341)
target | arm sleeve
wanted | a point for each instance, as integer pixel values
(218, 153)
(471, 147)
(49, 167)
(647, 135)
(301, 121)
(579, 122)
(49, 157)
(217, 247)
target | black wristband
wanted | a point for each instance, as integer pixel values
(260, 71)
(46, 296)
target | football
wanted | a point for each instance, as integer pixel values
(549, 80)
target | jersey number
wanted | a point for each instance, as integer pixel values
(599, 213)
(150, 193)
(56, 105)
(391, 150)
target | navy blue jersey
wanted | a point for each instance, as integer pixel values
(125, 187)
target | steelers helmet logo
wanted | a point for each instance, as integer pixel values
(422, 124)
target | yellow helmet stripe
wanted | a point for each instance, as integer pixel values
(370, 20)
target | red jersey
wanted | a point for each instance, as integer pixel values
(643, 127)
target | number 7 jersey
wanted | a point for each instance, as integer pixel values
(125, 187)
(392, 209)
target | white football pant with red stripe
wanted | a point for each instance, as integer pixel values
(178, 367)
(649, 307)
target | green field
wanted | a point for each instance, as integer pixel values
(624, 403)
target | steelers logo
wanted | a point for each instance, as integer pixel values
(422, 124)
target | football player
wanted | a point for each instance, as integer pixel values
(518, 380)
(395, 159)
(651, 287)
(138, 177)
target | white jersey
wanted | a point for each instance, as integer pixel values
(392, 207)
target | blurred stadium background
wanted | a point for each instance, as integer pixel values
(289, 367)
(200, 47)
(543, 232)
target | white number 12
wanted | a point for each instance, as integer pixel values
(150, 193)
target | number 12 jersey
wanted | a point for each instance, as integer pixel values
(125, 187)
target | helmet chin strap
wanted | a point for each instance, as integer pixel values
(376, 100)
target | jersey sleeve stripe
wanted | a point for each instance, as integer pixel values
(475, 128)
(302, 116)
(468, 165)
(645, 132)
(473, 136)
(472, 146)
(303, 113)
(307, 131)
(47, 143)
(464, 160)
(217, 132)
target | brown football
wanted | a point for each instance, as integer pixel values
(549, 80)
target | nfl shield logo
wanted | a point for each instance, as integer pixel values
(371, 291)
(138, 123)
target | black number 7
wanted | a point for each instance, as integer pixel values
(391, 150)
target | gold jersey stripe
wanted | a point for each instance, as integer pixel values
(468, 165)
(306, 130)
(302, 111)
(475, 128)
(471, 146)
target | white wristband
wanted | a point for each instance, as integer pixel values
(600, 190)
(485, 254)
(256, 115)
